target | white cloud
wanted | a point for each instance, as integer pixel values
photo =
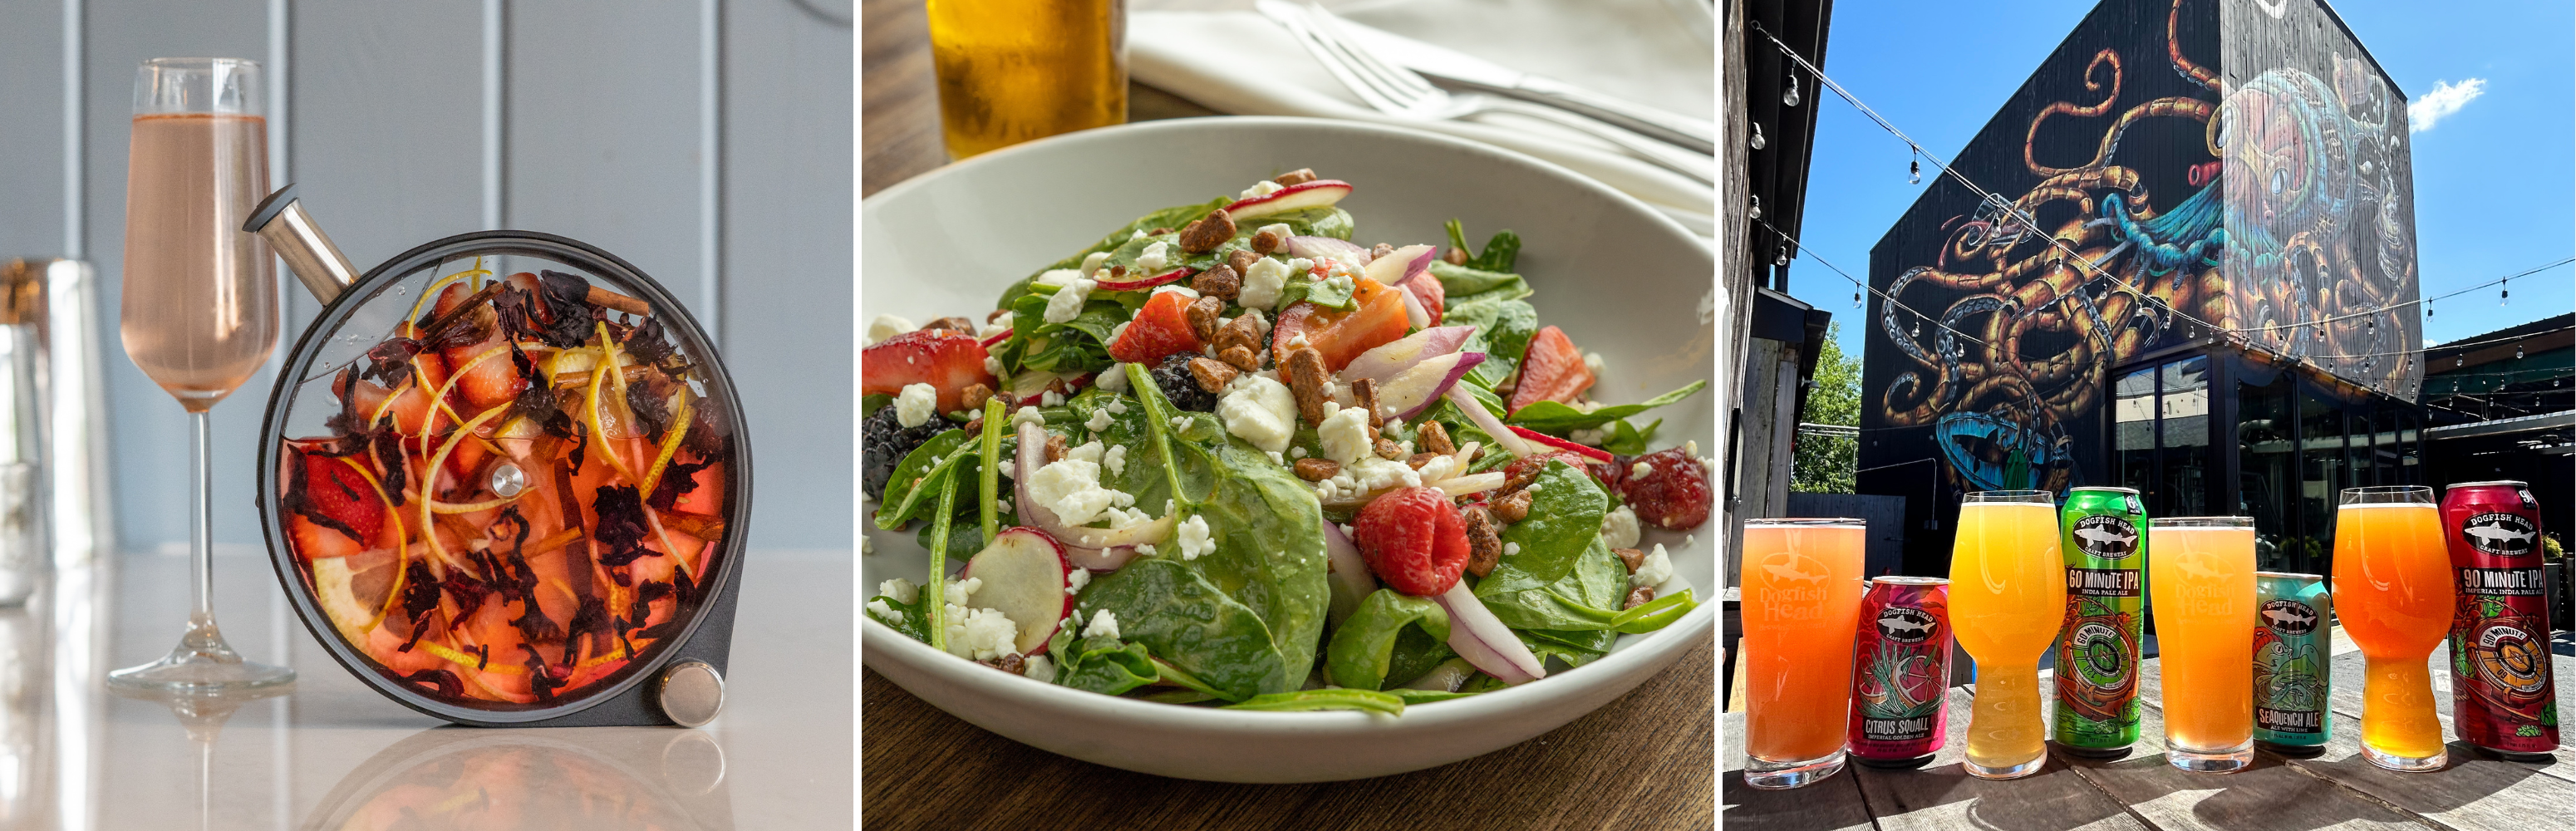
(2445, 99)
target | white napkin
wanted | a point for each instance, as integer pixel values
(1655, 52)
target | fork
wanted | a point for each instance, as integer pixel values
(1404, 93)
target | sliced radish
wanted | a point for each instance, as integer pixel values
(1351, 580)
(1138, 283)
(1486, 421)
(1483, 640)
(1414, 389)
(996, 337)
(1328, 247)
(1025, 576)
(1593, 453)
(1320, 193)
(1400, 265)
(1388, 359)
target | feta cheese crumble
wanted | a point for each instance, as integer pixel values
(1657, 568)
(1640, 469)
(1061, 277)
(1259, 189)
(1511, 548)
(916, 406)
(903, 591)
(1071, 489)
(1027, 414)
(887, 326)
(1038, 668)
(889, 614)
(1156, 256)
(1195, 539)
(1279, 228)
(1051, 398)
(1092, 262)
(1261, 283)
(1067, 302)
(1115, 461)
(1104, 623)
(1176, 288)
(1113, 379)
(1343, 437)
(1099, 420)
(1075, 581)
(1261, 410)
(981, 634)
(957, 592)
(1619, 527)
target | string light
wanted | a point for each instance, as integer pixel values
(1757, 136)
(1914, 172)
(1790, 96)
(1757, 206)
(1855, 299)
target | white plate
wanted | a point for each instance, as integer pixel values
(1619, 278)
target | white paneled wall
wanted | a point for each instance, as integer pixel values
(705, 141)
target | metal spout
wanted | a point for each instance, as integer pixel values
(308, 252)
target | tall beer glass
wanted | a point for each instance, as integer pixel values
(2203, 587)
(1802, 593)
(2393, 592)
(200, 301)
(1015, 70)
(2007, 598)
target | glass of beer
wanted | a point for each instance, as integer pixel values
(2394, 595)
(2203, 586)
(1802, 593)
(1015, 70)
(199, 312)
(2007, 599)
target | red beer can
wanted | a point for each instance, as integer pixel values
(1900, 672)
(2502, 697)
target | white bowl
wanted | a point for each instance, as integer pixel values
(1619, 278)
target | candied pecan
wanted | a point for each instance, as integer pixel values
(1208, 232)
(1243, 331)
(1513, 508)
(1484, 541)
(1054, 448)
(974, 396)
(1416, 462)
(1639, 596)
(1433, 437)
(1314, 469)
(1011, 663)
(1267, 241)
(1242, 358)
(1630, 556)
(1201, 315)
(1382, 249)
(1158, 232)
(975, 426)
(1456, 256)
(1364, 396)
(1221, 282)
(956, 323)
(997, 315)
(1308, 379)
(1387, 449)
(1212, 375)
(1295, 177)
(1241, 260)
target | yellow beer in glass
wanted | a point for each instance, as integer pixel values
(2394, 596)
(2201, 580)
(2007, 600)
(1015, 70)
(1802, 593)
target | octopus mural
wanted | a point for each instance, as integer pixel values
(2290, 235)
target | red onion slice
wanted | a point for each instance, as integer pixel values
(1406, 395)
(1339, 249)
(1350, 577)
(1400, 265)
(1386, 360)
(1486, 421)
(1414, 314)
(1483, 640)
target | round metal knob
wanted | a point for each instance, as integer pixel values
(692, 693)
(507, 480)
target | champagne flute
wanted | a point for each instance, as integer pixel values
(200, 302)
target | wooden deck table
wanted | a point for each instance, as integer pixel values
(2335, 790)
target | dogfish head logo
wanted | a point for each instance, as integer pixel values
(2290, 618)
(1904, 624)
(2501, 534)
(2106, 536)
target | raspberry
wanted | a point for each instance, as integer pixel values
(1672, 493)
(1414, 539)
(1182, 388)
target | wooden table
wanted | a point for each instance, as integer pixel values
(2337, 790)
(1646, 761)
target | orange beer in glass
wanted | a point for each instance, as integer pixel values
(1802, 593)
(2007, 600)
(2394, 595)
(2202, 584)
(1015, 70)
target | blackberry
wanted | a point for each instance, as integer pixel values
(884, 442)
(1181, 387)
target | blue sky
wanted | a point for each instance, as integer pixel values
(2494, 179)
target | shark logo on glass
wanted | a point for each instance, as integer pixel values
(2106, 536)
(2501, 534)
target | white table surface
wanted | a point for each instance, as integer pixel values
(74, 756)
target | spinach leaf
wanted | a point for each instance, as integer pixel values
(1140, 475)
(1557, 417)
(1101, 664)
(1625, 439)
(1503, 331)
(1361, 648)
(1416, 654)
(1500, 252)
(1464, 283)
(1412, 697)
(1564, 520)
(1077, 345)
(1585, 600)
(1174, 218)
(913, 489)
(912, 619)
(1334, 293)
(1328, 698)
(1269, 548)
(870, 403)
(965, 537)
(1572, 655)
(1166, 606)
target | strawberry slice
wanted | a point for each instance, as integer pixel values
(1376, 316)
(1552, 370)
(1430, 292)
(946, 359)
(1160, 329)
(495, 380)
(1413, 539)
(340, 501)
(409, 410)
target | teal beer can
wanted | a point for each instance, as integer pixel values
(2291, 662)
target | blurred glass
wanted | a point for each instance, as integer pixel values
(1015, 70)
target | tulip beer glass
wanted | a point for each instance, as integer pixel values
(2007, 598)
(2202, 582)
(2393, 591)
(1802, 594)
(1016, 70)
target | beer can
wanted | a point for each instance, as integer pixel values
(2502, 696)
(2292, 660)
(1900, 672)
(2105, 544)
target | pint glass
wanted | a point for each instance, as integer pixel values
(2203, 587)
(1802, 594)
(2393, 592)
(1015, 70)
(2007, 598)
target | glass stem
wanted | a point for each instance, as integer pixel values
(202, 617)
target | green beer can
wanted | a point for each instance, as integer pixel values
(2104, 537)
(2291, 658)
